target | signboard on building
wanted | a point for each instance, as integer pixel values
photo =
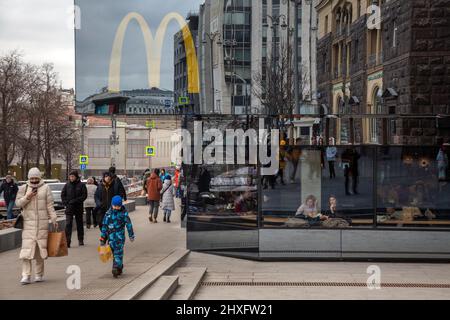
(150, 151)
(183, 101)
(84, 159)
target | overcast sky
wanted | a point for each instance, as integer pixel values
(39, 29)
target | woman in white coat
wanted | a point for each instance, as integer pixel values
(89, 204)
(167, 202)
(36, 200)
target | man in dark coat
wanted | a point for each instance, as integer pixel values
(204, 181)
(106, 190)
(73, 195)
(119, 183)
(9, 189)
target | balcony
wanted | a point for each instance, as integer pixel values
(307, 108)
(342, 31)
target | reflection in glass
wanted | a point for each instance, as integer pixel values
(222, 197)
(411, 192)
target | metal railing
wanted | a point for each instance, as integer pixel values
(134, 187)
(309, 109)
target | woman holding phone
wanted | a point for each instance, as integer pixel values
(36, 200)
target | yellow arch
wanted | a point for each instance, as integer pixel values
(153, 47)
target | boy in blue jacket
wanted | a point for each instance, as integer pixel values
(113, 231)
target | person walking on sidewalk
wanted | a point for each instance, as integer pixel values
(177, 182)
(36, 200)
(113, 231)
(107, 189)
(118, 183)
(331, 153)
(89, 204)
(167, 202)
(73, 195)
(9, 189)
(154, 186)
(163, 175)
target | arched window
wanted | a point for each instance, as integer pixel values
(338, 20)
(376, 108)
(377, 101)
(339, 105)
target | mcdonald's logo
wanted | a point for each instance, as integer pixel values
(153, 47)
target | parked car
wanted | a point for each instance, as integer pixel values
(3, 214)
(48, 181)
(56, 189)
(2, 203)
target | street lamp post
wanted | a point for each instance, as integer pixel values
(296, 75)
(246, 91)
(212, 39)
(83, 124)
(274, 23)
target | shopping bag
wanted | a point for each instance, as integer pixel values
(105, 253)
(57, 244)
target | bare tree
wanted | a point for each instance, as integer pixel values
(33, 114)
(16, 79)
(273, 86)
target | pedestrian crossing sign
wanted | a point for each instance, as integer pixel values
(84, 159)
(183, 100)
(150, 151)
(150, 124)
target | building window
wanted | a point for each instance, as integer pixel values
(99, 148)
(136, 148)
(304, 131)
(326, 25)
(394, 36)
(375, 124)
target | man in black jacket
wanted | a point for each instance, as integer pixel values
(9, 189)
(119, 185)
(106, 190)
(73, 195)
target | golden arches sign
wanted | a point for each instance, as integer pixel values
(153, 47)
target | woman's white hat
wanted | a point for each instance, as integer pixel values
(34, 173)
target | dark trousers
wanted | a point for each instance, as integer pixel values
(69, 224)
(269, 180)
(281, 175)
(90, 212)
(332, 171)
(153, 208)
(354, 184)
(100, 215)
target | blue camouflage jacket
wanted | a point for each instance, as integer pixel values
(114, 224)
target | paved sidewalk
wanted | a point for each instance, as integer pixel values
(153, 243)
(226, 278)
(229, 278)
